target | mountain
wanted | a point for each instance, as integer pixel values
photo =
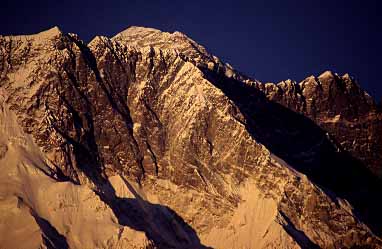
(338, 105)
(145, 140)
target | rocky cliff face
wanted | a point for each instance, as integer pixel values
(339, 106)
(145, 140)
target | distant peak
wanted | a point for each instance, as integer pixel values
(46, 34)
(139, 31)
(142, 28)
(347, 76)
(52, 32)
(133, 30)
(330, 75)
(326, 74)
(150, 37)
(97, 39)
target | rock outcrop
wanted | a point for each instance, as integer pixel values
(145, 140)
(339, 106)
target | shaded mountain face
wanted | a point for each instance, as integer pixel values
(145, 140)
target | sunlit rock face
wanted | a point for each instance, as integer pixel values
(145, 140)
(339, 106)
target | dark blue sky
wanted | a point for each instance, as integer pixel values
(269, 40)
